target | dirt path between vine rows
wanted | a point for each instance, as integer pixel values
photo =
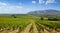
(26, 30)
(34, 27)
(7, 31)
(15, 31)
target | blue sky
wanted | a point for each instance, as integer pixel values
(24, 6)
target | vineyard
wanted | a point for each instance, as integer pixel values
(27, 24)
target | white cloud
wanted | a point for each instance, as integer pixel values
(3, 4)
(50, 1)
(41, 1)
(10, 9)
(44, 1)
(33, 2)
(5, 8)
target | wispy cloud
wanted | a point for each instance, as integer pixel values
(41, 1)
(45, 1)
(33, 2)
(3, 4)
(6, 8)
(50, 1)
(10, 9)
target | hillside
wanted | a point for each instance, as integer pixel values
(49, 11)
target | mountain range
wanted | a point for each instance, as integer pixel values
(49, 11)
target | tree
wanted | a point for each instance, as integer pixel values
(42, 18)
(14, 16)
(53, 19)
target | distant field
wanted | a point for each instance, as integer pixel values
(26, 23)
